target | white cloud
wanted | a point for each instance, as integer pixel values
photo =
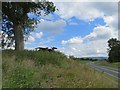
(39, 35)
(73, 40)
(43, 42)
(111, 21)
(33, 35)
(92, 48)
(88, 11)
(31, 39)
(94, 44)
(108, 8)
(100, 33)
(81, 10)
(84, 0)
(53, 27)
(73, 23)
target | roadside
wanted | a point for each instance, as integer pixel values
(106, 75)
(103, 69)
(112, 66)
(50, 70)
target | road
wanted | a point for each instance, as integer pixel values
(114, 73)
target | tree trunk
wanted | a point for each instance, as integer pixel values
(19, 38)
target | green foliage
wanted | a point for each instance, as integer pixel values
(35, 69)
(114, 50)
(40, 57)
(21, 77)
(16, 14)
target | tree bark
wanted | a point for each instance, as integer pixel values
(19, 38)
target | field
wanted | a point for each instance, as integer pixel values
(33, 69)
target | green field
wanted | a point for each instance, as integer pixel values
(32, 69)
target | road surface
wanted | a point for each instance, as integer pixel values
(114, 73)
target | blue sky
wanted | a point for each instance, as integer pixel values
(79, 29)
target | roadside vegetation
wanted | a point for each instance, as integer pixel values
(113, 50)
(114, 65)
(0, 69)
(43, 69)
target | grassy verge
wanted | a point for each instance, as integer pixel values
(29, 69)
(0, 69)
(115, 65)
(114, 80)
(84, 61)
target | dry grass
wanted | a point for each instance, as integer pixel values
(59, 72)
(0, 69)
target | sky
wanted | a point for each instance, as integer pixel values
(81, 29)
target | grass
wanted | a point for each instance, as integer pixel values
(30, 69)
(0, 69)
(114, 65)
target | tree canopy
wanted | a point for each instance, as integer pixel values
(114, 50)
(16, 22)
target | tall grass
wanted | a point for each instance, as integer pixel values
(0, 69)
(115, 65)
(32, 69)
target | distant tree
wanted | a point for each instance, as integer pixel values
(71, 57)
(114, 50)
(94, 60)
(81, 58)
(15, 21)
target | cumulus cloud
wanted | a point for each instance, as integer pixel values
(94, 44)
(33, 36)
(111, 21)
(46, 41)
(89, 49)
(84, 0)
(53, 27)
(39, 35)
(73, 40)
(81, 10)
(100, 33)
(30, 39)
(108, 8)
(89, 11)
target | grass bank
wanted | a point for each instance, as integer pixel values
(30, 69)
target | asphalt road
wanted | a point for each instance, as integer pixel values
(114, 73)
